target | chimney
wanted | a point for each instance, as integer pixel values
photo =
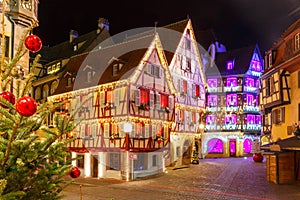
(102, 23)
(73, 35)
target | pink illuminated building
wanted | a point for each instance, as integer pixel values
(232, 117)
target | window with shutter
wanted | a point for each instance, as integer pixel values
(170, 102)
(133, 132)
(137, 98)
(116, 96)
(106, 130)
(153, 130)
(151, 99)
(102, 99)
(157, 101)
(184, 86)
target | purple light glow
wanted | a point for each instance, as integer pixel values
(215, 146)
(256, 66)
(211, 119)
(231, 100)
(250, 99)
(231, 82)
(247, 146)
(213, 83)
(229, 65)
(212, 100)
(249, 82)
(230, 118)
(250, 119)
(232, 146)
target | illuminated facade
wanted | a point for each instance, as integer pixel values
(233, 119)
(147, 88)
(280, 95)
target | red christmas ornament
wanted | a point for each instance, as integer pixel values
(33, 43)
(257, 157)
(75, 172)
(10, 97)
(26, 106)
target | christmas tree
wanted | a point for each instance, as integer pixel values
(31, 166)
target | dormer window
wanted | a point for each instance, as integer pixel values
(117, 68)
(297, 41)
(54, 68)
(75, 47)
(90, 75)
(229, 65)
(270, 59)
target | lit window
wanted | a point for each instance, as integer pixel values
(270, 59)
(231, 100)
(144, 96)
(256, 66)
(249, 82)
(212, 83)
(164, 100)
(211, 119)
(230, 119)
(258, 119)
(212, 100)
(229, 65)
(250, 119)
(231, 82)
(250, 100)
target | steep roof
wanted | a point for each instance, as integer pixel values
(287, 32)
(65, 49)
(129, 53)
(241, 58)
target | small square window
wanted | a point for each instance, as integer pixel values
(229, 65)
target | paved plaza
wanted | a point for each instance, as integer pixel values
(212, 179)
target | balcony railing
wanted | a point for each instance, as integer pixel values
(233, 89)
(251, 108)
(252, 127)
(251, 89)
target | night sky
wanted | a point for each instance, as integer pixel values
(237, 23)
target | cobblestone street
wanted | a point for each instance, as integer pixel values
(230, 178)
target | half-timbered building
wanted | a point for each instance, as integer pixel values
(233, 120)
(186, 68)
(280, 97)
(117, 92)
